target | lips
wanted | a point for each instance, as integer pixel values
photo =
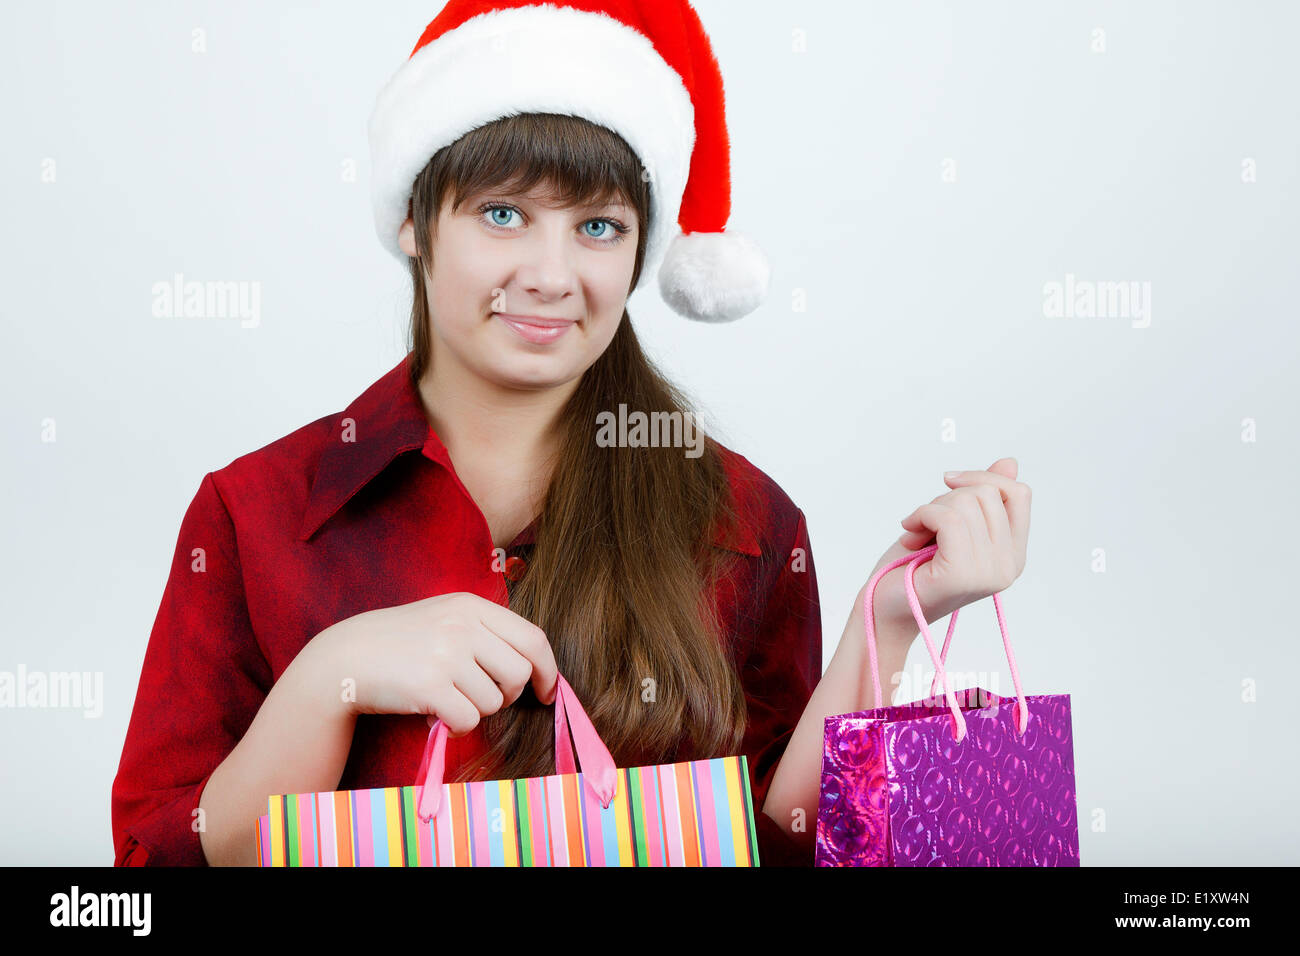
(535, 320)
(535, 329)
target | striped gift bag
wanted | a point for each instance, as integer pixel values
(694, 813)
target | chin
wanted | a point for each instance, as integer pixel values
(532, 375)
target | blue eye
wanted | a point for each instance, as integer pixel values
(618, 229)
(605, 224)
(499, 209)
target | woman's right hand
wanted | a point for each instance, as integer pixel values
(457, 656)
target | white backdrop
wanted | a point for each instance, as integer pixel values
(917, 174)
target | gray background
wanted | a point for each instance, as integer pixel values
(924, 303)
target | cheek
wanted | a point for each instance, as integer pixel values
(609, 316)
(611, 288)
(460, 294)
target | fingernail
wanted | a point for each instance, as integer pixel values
(952, 474)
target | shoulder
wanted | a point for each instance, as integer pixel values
(768, 514)
(279, 474)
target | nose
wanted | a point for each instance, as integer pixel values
(547, 267)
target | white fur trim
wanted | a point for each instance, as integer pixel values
(532, 59)
(714, 276)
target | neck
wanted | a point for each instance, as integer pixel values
(478, 420)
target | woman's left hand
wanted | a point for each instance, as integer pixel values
(982, 530)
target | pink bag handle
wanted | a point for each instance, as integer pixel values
(598, 766)
(913, 560)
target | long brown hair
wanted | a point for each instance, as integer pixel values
(622, 574)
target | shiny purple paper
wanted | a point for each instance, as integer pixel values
(897, 790)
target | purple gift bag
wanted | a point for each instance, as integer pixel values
(966, 779)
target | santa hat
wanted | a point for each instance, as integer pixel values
(642, 68)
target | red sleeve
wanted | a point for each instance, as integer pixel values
(779, 675)
(203, 681)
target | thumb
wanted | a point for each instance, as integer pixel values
(1007, 467)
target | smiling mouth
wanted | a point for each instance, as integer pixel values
(535, 320)
(534, 329)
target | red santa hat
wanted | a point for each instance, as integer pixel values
(642, 68)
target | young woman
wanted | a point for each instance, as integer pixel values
(459, 535)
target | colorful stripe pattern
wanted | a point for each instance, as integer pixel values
(695, 813)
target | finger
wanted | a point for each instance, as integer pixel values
(965, 501)
(918, 535)
(1007, 467)
(949, 528)
(962, 479)
(1016, 495)
(915, 539)
(526, 638)
(480, 689)
(996, 522)
(964, 504)
(506, 666)
(456, 711)
(982, 509)
(915, 534)
(1003, 557)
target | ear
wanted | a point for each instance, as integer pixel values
(406, 237)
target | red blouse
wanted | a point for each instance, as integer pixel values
(340, 517)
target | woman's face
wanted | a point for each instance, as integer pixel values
(504, 263)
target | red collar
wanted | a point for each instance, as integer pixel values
(387, 420)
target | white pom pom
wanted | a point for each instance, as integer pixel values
(713, 276)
